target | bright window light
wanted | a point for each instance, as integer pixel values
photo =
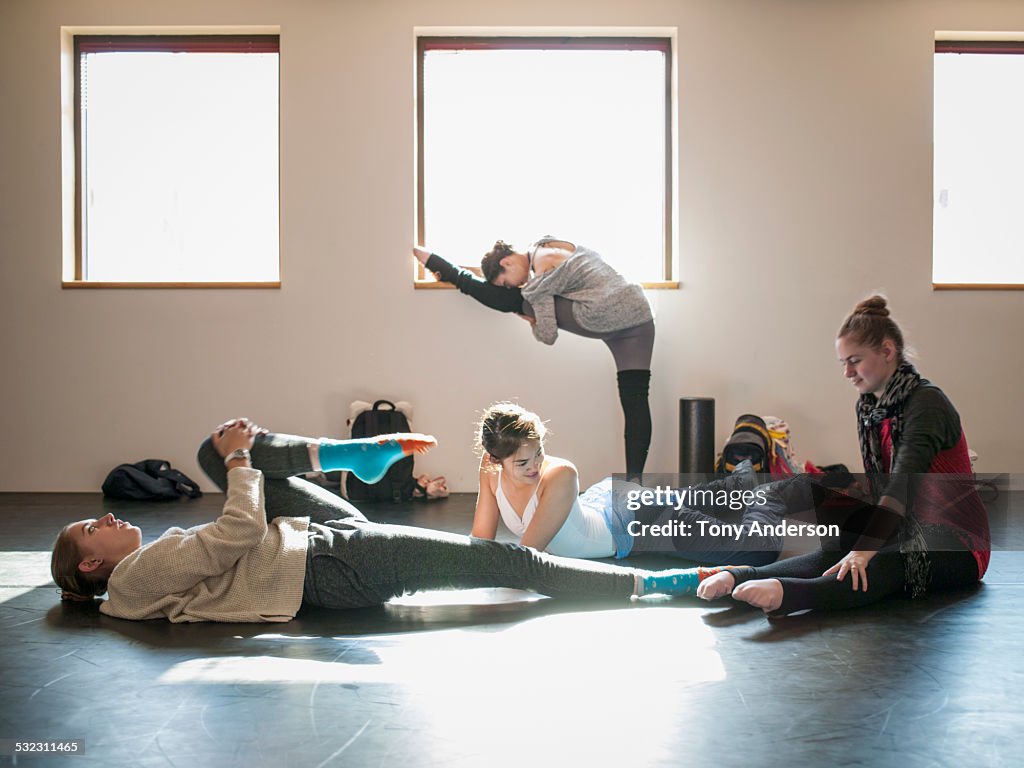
(520, 142)
(179, 166)
(979, 162)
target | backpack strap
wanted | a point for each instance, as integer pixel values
(185, 485)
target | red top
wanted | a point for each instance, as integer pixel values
(951, 499)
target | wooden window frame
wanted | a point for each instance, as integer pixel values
(425, 43)
(83, 44)
(1011, 47)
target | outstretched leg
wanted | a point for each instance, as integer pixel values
(797, 583)
(355, 564)
(361, 564)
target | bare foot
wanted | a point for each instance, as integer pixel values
(765, 594)
(714, 587)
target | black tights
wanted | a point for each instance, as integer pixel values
(804, 586)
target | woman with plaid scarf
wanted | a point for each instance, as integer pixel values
(929, 530)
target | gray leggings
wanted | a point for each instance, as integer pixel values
(353, 563)
(632, 348)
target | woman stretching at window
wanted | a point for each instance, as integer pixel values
(556, 285)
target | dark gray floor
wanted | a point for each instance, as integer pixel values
(498, 677)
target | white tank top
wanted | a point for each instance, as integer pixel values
(583, 534)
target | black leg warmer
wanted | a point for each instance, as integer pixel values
(634, 391)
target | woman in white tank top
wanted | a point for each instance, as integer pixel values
(536, 496)
(538, 499)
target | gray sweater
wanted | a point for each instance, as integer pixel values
(603, 300)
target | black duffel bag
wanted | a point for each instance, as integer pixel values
(149, 480)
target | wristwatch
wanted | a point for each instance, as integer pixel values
(238, 453)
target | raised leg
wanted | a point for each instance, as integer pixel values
(281, 458)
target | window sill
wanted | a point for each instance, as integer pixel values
(431, 285)
(978, 286)
(663, 285)
(98, 284)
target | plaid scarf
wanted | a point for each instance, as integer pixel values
(871, 412)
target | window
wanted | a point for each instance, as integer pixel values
(176, 143)
(524, 137)
(978, 230)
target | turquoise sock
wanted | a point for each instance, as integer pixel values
(367, 458)
(678, 581)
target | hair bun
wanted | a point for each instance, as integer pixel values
(875, 305)
(502, 249)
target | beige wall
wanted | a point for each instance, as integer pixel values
(805, 182)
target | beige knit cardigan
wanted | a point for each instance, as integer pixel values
(238, 568)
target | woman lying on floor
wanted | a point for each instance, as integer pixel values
(322, 552)
(537, 497)
(908, 428)
(558, 285)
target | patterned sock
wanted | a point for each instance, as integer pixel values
(678, 581)
(369, 458)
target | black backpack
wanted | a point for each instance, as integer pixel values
(750, 440)
(398, 483)
(149, 480)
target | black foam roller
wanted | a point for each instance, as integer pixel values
(696, 435)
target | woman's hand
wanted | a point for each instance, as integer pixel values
(232, 422)
(422, 255)
(235, 434)
(530, 319)
(856, 563)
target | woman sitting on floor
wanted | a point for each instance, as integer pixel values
(248, 566)
(939, 533)
(537, 497)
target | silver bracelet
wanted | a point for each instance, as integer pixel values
(238, 453)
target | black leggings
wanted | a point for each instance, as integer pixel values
(804, 586)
